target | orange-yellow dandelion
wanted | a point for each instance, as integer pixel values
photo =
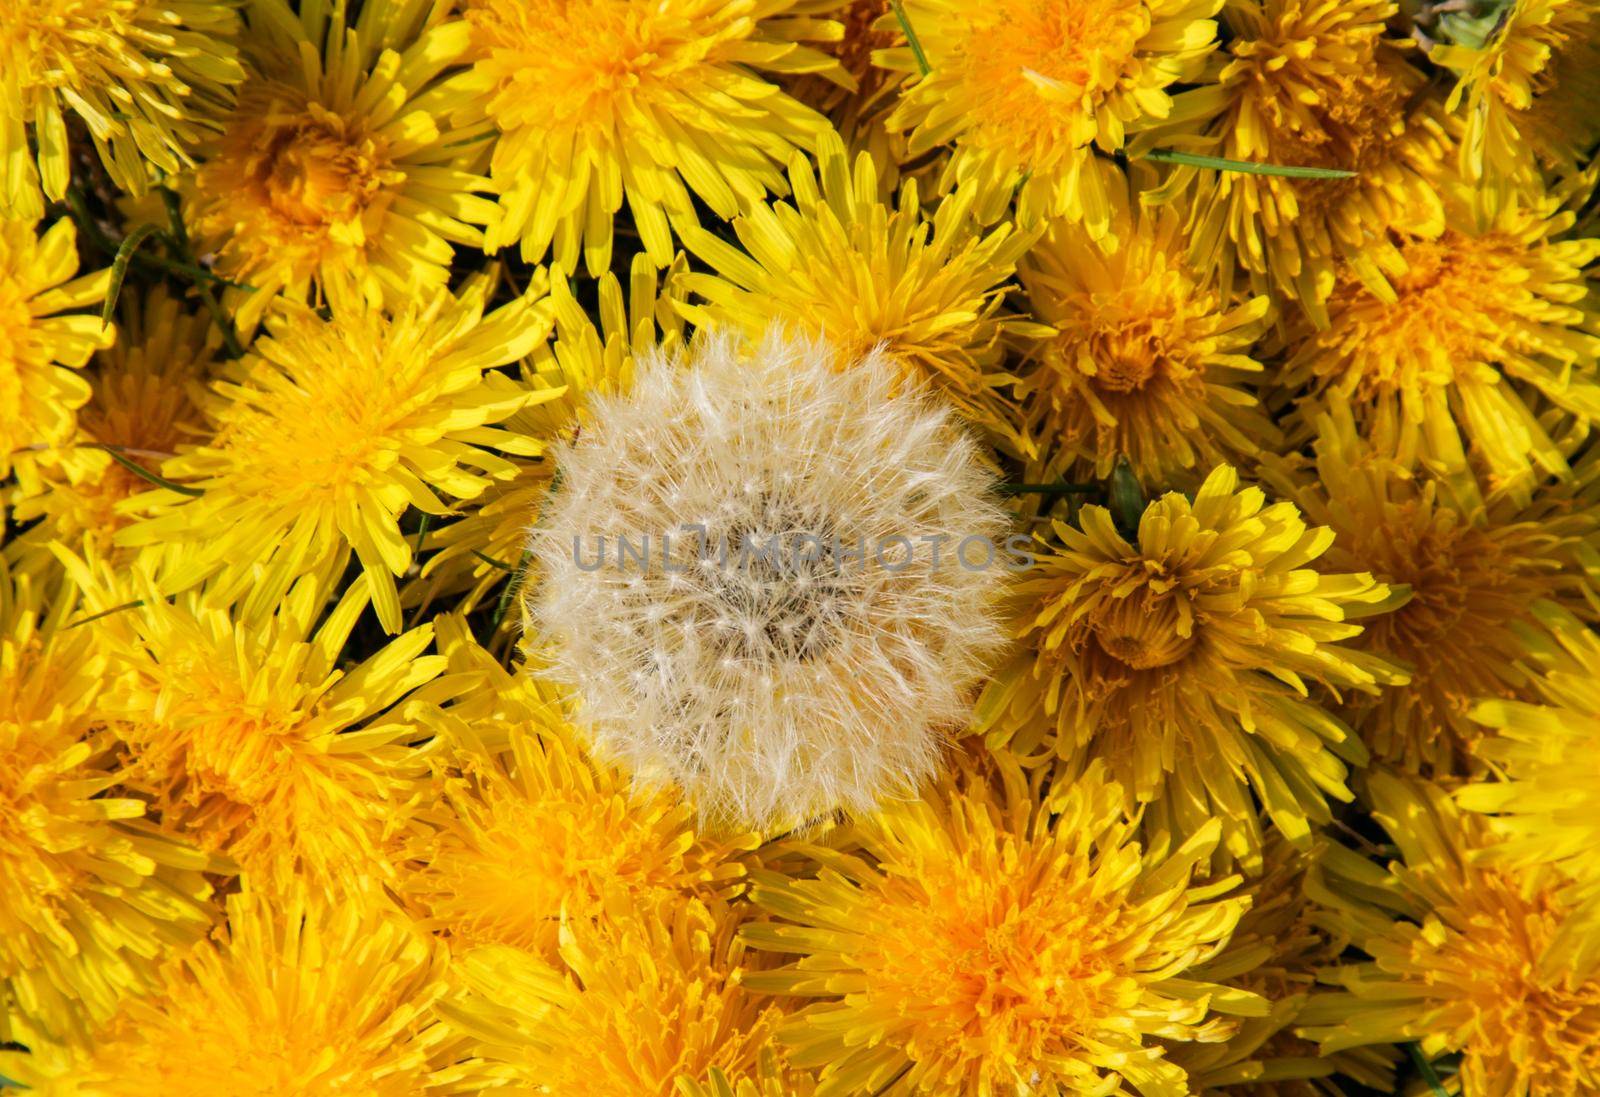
(1032, 93)
(143, 78)
(43, 337)
(1149, 359)
(339, 170)
(1492, 963)
(985, 942)
(308, 462)
(655, 103)
(1183, 654)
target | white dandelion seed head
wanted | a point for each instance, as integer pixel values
(772, 688)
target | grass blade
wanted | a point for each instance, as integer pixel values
(119, 270)
(145, 474)
(135, 604)
(1425, 1069)
(1246, 167)
(911, 36)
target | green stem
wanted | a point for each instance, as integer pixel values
(911, 36)
(1425, 1069)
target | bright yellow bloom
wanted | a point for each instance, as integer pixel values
(1484, 316)
(1474, 569)
(649, 995)
(583, 360)
(1529, 90)
(330, 429)
(1184, 658)
(600, 100)
(95, 894)
(1149, 360)
(516, 841)
(144, 77)
(1314, 84)
(1493, 963)
(1030, 92)
(1548, 805)
(248, 731)
(338, 171)
(844, 264)
(983, 942)
(39, 398)
(142, 404)
(301, 996)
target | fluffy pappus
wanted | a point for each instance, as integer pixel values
(770, 577)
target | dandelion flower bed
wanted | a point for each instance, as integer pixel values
(800, 548)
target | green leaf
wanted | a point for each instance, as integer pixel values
(145, 474)
(1247, 167)
(911, 36)
(119, 270)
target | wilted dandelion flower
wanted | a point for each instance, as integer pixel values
(142, 404)
(1276, 951)
(1148, 360)
(39, 396)
(1493, 963)
(1184, 655)
(513, 843)
(1030, 93)
(650, 995)
(338, 170)
(249, 732)
(1482, 306)
(1527, 85)
(983, 942)
(845, 265)
(600, 100)
(330, 429)
(804, 651)
(1547, 806)
(144, 77)
(1467, 572)
(1310, 84)
(95, 894)
(300, 996)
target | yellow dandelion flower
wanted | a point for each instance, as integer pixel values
(39, 346)
(248, 732)
(310, 462)
(95, 894)
(859, 107)
(1494, 964)
(1484, 316)
(1030, 93)
(1184, 657)
(300, 996)
(843, 264)
(142, 404)
(650, 995)
(600, 100)
(1149, 359)
(984, 942)
(144, 77)
(1529, 90)
(1473, 568)
(1275, 952)
(1548, 806)
(338, 170)
(514, 843)
(1310, 84)
(584, 359)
